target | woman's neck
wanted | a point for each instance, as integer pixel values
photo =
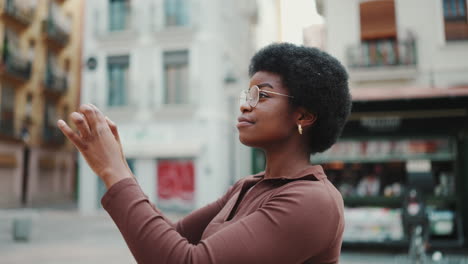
(286, 161)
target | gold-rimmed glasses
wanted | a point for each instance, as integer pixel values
(252, 95)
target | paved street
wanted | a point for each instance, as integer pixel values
(64, 236)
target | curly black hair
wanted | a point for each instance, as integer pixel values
(317, 81)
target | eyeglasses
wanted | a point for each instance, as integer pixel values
(252, 95)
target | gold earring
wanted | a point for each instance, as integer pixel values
(299, 128)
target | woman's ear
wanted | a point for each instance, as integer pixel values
(305, 118)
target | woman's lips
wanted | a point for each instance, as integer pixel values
(244, 122)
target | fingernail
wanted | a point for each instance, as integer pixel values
(60, 122)
(77, 115)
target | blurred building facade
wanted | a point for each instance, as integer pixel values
(39, 83)
(168, 73)
(409, 123)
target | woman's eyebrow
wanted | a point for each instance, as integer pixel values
(265, 85)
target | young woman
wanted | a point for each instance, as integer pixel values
(296, 105)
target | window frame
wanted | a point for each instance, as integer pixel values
(179, 92)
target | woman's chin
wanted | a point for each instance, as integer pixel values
(249, 142)
(245, 141)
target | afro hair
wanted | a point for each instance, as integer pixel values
(317, 81)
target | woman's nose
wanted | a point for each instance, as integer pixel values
(245, 107)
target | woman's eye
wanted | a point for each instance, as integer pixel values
(263, 95)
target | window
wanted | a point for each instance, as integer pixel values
(50, 114)
(176, 12)
(455, 19)
(176, 183)
(377, 20)
(455, 9)
(176, 77)
(51, 133)
(119, 15)
(118, 79)
(7, 108)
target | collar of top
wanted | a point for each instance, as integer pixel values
(315, 170)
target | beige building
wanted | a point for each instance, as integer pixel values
(39, 83)
(408, 129)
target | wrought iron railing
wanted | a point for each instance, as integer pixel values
(56, 81)
(16, 64)
(55, 31)
(377, 53)
(20, 10)
(57, 25)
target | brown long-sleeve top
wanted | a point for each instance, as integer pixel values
(293, 219)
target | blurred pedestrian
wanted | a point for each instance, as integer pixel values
(297, 104)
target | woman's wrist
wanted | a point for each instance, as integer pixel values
(112, 176)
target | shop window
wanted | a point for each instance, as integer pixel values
(118, 80)
(176, 183)
(455, 19)
(119, 15)
(374, 177)
(176, 83)
(176, 12)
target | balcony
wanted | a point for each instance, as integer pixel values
(57, 27)
(53, 136)
(56, 82)
(15, 65)
(382, 60)
(19, 11)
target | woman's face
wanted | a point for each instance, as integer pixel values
(271, 121)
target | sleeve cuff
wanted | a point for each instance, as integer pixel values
(115, 190)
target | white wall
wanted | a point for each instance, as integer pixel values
(219, 39)
(342, 26)
(439, 63)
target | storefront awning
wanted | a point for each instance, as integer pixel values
(405, 93)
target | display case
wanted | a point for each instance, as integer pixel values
(373, 177)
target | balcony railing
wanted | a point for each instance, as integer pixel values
(56, 81)
(52, 135)
(57, 25)
(56, 32)
(16, 64)
(382, 53)
(20, 10)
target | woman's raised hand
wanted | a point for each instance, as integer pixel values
(98, 141)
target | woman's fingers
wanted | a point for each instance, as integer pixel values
(90, 115)
(99, 116)
(115, 132)
(71, 135)
(81, 124)
(95, 119)
(113, 129)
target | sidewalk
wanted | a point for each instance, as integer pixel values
(65, 236)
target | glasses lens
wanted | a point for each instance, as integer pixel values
(253, 95)
(243, 97)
